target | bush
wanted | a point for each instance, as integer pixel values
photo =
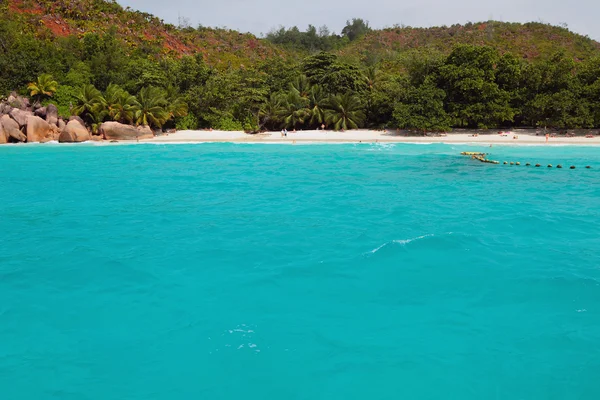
(250, 126)
(189, 122)
(228, 124)
(64, 98)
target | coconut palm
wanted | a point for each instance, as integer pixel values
(176, 104)
(113, 93)
(96, 119)
(317, 101)
(91, 105)
(45, 86)
(120, 105)
(370, 76)
(344, 112)
(270, 112)
(301, 86)
(151, 107)
(295, 110)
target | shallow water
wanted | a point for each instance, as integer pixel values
(226, 271)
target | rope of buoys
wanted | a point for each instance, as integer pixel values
(481, 157)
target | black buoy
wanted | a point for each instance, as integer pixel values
(528, 165)
(537, 165)
(559, 166)
(572, 167)
(505, 163)
(549, 165)
(588, 167)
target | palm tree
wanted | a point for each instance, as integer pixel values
(300, 86)
(317, 100)
(121, 106)
(370, 76)
(270, 112)
(344, 112)
(96, 119)
(91, 105)
(45, 86)
(176, 104)
(152, 107)
(295, 110)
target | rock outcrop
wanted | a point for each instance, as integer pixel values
(74, 132)
(52, 114)
(11, 129)
(3, 135)
(5, 108)
(38, 130)
(117, 131)
(40, 112)
(77, 118)
(19, 102)
(145, 132)
(20, 116)
(20, 122)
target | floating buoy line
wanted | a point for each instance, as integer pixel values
(482, 158)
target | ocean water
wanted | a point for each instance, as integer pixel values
(227, 271)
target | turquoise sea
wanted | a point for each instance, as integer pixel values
(237, 271)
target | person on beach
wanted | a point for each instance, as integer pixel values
(322, 127)
(547, 136)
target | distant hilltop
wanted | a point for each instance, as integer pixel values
(55, 19)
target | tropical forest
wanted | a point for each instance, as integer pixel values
(98, 61)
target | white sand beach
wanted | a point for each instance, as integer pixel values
(515, 137)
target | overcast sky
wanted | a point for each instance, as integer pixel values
(260, 16)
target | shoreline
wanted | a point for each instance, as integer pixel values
(523, 137)
(463, 138)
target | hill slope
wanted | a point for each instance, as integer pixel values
(223, 48)
(530, 41)
(51, 19)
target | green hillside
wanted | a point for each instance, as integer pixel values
(530, 41)
(51, 19)
(490, 74)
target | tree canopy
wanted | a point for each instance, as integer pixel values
(326, 78)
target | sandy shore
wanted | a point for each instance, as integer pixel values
(517, 137)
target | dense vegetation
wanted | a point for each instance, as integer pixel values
(323, 39)
(94, 54)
